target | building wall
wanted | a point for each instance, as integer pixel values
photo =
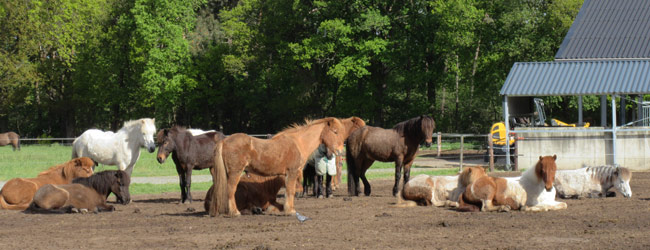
(573, 149)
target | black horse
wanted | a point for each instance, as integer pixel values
(188, 152)
(107, 182)
(399, 144)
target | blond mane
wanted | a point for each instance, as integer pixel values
(295, 127)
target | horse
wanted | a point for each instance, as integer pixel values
(439, 191)
(283, 154)
(532, 191)
(17, 193)
(121, 148)
(196, 131)
(399, 144)
(67, 198)
(107, 182)
(188, 152)
(593, 182)
(255, 194)
(10, 138)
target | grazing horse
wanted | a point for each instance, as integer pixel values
(254, 194)
(284, 154)
(188, 152)
(17, 193)
(439, 191)
(68, 198)
(107, 182)
(399, 144)
(593, 182)
(10, 138)
(532, 191)
(121, 148)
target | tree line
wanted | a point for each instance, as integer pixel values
(257, 66)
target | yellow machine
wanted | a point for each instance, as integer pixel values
(498, 134)
(558, 123)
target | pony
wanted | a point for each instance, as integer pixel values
(107, 182)
(399, 144)
(17, 193)
(188, 152)
(439, 191)
(532, 191)
(284, 154)
(67, 198)
(255, 194)
(121, 148)
(196, 131)
(10, 138)
(593, 182)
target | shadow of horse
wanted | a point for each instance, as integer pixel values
(159, 200)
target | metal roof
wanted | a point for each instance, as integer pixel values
(608, 29)
(566, 78)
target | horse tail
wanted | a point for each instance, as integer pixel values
(352, 168)
(6, 205)
(220, 182)
(463, 206)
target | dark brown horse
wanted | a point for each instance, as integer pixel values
(399, 144)
(285, 154)
(107, 182)
(10, 138)
(188, 152)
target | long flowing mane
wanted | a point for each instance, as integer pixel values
(102, 181)
(414, 125)
(128, 125)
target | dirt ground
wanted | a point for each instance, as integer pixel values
(159, 222)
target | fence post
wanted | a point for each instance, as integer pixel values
(462, 144)
(491, 153)
(516, 161)
(439, 144)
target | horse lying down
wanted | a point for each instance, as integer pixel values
(439, 191)
(591, 182)
(85, 194)
(255, 194)
(533, 191)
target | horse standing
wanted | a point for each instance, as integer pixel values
(10, 138)
(399, 144)
(121, 148)
(283, 154)
(593, 182)
(188, 152)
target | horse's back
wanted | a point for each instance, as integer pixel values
(98, 145)
(374, 142)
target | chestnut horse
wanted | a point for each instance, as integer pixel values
(533, 191)
(10, 138)
(67, 198)
(284, 154)
(399, 144)
(17, 193)
(188, 152)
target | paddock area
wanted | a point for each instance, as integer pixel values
(159, 221)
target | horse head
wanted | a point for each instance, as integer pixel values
(427, 125)
(471, 174)
(147, 129)
(120, 187)
(622, 181)
(165, 145)
(333, 135)
(79, 167)
(545, 170)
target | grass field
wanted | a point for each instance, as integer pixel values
(33, 159)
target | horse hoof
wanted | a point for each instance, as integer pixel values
(257, 210)
(74, 210)
(83, 210)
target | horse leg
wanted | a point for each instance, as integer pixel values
(328, 186)
(319, 186)
(366, 185)
(233, 180)
(188, 184)
(398, 174)
(290, 187)
(182, 181)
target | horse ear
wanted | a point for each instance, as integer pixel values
(78, 163)
(166, 131)
(554, 157)
(540, 157)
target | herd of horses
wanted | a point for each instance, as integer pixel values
(248, 172)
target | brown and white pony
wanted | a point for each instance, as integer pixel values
(10, 138)
(533, 191)
(284, 154)
(592, 182)
(17, 193)
(439, 191)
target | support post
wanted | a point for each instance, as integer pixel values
(507, 123)
(516, 166)
(639, 110)
(439, 144)
(462, 147)
(603, 111)
(580, 122)
(614, 130)
(491, 152)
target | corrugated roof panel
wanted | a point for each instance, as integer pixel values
(577, 78)
(608, 29)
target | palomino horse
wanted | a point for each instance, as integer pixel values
(17, 193)
(107, 182)
(121, 148)
(438, 191)
(255, 194)
(10, 138)
(593, 182)
(67, 198)
(399, 144)
(188, 152)
(532, 191)
(284, 154)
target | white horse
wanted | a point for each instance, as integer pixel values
(593, 182)
(196, 131)
(121, 148)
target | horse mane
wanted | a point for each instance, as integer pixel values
(295, 127)
(413, 125)
(134, 123)
(102, 181)
(53, 170)
(471, 174)
(605, 174)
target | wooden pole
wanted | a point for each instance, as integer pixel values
(462, 147)
(439, 144)
(516, 167)
(491, 153)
